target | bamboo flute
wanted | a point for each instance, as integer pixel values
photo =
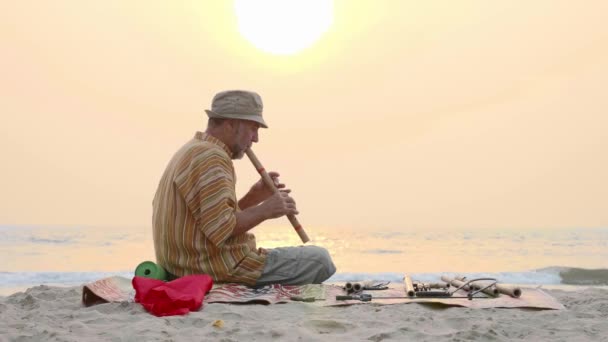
(514, 292)
(268, 180)
(409, 287)
(458, 282)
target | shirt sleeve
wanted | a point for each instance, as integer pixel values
(207, 186)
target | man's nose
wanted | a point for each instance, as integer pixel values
(255, 137)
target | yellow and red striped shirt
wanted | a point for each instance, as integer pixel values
(194, 216)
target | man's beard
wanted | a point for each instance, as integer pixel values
(237, 151)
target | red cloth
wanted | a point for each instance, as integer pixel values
(177, 297)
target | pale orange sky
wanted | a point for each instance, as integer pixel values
(406, 114)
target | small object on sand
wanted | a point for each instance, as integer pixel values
(149, 269)
(364, 297)
(218, 323)
(302, 299)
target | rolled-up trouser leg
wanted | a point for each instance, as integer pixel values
(297, 266)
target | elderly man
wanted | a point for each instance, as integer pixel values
(200, 227)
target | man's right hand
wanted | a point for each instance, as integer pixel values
(279, 204)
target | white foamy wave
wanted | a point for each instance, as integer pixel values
(15, 279)
(579, 276)
(544, 276)
(538, 277)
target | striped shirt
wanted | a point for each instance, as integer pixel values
(194, 216)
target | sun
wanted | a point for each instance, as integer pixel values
(283, 27)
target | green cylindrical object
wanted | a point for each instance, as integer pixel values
(150, 269)
(339, 297)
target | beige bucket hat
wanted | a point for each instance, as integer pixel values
(237, 104)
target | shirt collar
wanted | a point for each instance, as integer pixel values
(207, 137)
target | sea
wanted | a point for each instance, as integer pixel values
(564, 258)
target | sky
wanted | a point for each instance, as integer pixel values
(403, 115)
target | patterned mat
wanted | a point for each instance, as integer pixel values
(119, 289)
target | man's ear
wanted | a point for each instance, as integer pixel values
(229, 126)
(235, 126)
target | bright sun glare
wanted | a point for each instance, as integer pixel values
(283, 27)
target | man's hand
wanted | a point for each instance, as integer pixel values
(279, 204)
(252, 214)
(260, 191)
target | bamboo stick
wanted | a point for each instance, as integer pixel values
(409, 287)
(268, 180)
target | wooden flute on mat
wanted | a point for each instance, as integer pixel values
(493, 290)
(268, 180)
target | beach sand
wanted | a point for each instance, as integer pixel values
(45, 313)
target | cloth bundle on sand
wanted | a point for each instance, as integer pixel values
(118, 289)
(177, 297)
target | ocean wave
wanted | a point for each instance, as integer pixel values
(544, 276)
(11, 279)
(579, 276)
(62, 241)
(530, 278)
(383, 251)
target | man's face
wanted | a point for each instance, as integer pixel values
(245, 134)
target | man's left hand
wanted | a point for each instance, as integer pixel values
(260, 191)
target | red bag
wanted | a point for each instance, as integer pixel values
(177, 297)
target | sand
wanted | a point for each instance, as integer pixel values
(46, 313)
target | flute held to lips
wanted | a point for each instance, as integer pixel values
(268, 180)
